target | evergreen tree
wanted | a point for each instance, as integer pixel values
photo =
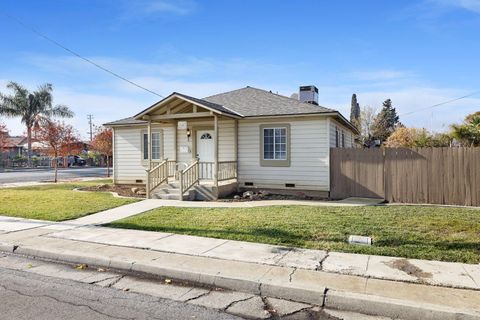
(385, 122)
(355, 113)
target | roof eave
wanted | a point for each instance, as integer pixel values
(322, 113)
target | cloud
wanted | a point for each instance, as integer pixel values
(469, 5)
(145, 8)
(407, 99)
(379, 75)
(89, 90)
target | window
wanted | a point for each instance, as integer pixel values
(206, 136)
(156, 142)
(274, 145)
(343, 139)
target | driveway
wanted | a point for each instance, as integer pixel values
(39, 175)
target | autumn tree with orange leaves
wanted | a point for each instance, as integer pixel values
(58, 139)
(103, 144)
(3, 139)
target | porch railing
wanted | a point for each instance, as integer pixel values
(189, 177)
(227, 170)
(156, 176)
(206, 170)
(172, 167)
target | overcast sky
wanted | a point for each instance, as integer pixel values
(417, 53)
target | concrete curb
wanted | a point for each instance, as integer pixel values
(321, 296)
(392, 308)
(5, 247)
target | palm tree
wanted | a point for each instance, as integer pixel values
(32, 107)
(468, 132)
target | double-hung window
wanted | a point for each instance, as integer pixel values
(275, 140)
(156, 145)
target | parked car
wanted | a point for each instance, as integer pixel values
(76, 161)
(71, 161)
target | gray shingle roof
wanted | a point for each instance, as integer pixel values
(209, 104)
(125, 121)
(250, 102)
(247, 102)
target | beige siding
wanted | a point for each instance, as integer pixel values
(128, 163)
(310, 139)
(127, 158)
(349, 138)
(309, 168)
(168, 141)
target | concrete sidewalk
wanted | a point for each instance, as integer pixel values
(367, 284)
(150, 204)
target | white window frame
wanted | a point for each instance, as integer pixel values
(145, 144)
(275, 143)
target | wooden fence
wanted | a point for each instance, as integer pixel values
(419, 175)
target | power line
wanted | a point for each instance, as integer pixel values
(440, 104)
(58, 44)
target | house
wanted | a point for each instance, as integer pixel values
(247, 138)
(14, 146)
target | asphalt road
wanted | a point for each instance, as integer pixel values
(25, 296)
(39, 175)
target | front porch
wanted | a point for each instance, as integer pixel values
(209, 180)
(204, 147)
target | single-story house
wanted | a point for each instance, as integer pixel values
(246, 138)
(14, 146)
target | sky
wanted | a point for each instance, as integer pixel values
(417, 53)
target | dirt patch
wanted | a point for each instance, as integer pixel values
(123, 190)
(405, 266)
(266, 195)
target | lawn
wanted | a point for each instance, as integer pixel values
(56, 202)
(423, 232)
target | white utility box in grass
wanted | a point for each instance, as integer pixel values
(362, 240)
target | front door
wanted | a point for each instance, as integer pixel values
(205, 153)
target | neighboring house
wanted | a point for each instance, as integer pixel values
(246, 138)
(14, 146)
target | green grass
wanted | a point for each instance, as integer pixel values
(448, 234)
(56, 202)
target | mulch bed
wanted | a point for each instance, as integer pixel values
(263, 195)
(123, 190)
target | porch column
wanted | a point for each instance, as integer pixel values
(149, 133)
(236, 147)
(175, 141)
(215, 133)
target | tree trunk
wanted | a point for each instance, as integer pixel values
(56, 169)
(108, 166)
(29, 146)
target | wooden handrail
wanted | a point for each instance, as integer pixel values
(156, 176)
(188, 178)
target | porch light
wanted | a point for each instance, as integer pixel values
(189, 133)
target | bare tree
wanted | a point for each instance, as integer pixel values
(367, 117)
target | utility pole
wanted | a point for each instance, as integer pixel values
(90, 122)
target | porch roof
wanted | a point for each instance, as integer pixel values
(211, 106)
